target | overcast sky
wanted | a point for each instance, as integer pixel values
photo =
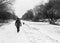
(21, 6)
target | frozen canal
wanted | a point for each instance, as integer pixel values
(31, 32)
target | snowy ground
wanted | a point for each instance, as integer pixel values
(31, 32)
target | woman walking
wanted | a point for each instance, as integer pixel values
(18, 24)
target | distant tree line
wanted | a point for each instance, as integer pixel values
(50, 10)
(28, 15)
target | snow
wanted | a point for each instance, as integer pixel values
(37, 33)
(30, 32)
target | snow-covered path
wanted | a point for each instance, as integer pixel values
(30, 32)
(8, 34)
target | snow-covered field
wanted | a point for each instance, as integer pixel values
(30, 32)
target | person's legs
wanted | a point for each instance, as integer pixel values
(23, 23)
(18, 29)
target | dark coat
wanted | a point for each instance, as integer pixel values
(18, 23)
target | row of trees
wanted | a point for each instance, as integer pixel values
(6, 11)
(50, 10)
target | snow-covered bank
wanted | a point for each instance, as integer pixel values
(34, 23)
